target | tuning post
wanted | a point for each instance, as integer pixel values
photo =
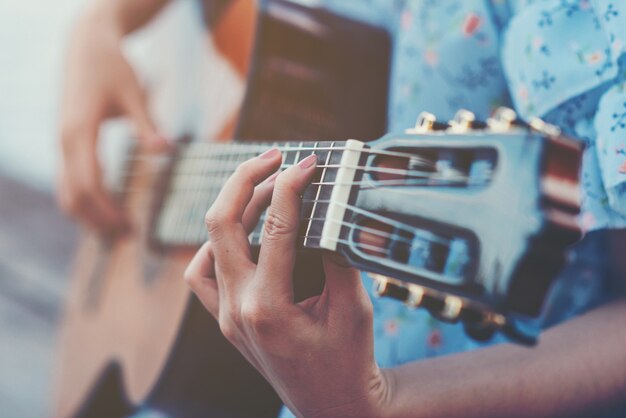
(465, 120)
(502, 120)
(427, 122)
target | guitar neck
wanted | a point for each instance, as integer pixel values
(199, 171)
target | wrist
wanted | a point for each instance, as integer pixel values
(99, 18)
(374, 404)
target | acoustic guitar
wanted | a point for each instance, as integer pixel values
(465, 218)
(132, 333)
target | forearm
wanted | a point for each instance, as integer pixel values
(577, 367)
(123, 16)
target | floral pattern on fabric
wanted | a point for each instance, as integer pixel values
(557, 59)
(563, 62)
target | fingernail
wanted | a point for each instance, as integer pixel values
(270, 153)
(308, 161)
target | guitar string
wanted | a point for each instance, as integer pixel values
(421, 178)
(284, 150)
(370, 184)
(201, 171)
(212, 150)
(423, 235)
(392, 236)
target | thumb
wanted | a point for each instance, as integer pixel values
(133, 102)
(342, 280)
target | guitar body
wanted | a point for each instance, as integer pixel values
(133, 334)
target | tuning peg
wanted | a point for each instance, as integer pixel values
(544, 128)
(503, 119)
(462, 120)
(386, 286)
(415, 297)
(411, 294)
(427, 122)
(452, 308)
(465, 120)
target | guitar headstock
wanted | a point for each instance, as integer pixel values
(468, 219)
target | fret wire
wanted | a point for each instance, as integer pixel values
(201, 205)
(317, 195)
(194, 204)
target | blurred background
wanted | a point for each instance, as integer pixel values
(36, 241)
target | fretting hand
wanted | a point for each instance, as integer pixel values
(318, 353)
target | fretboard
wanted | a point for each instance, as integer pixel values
(201, 169)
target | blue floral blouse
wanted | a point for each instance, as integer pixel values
(557, 59)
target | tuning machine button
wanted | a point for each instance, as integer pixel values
(427, 122)
(465, 120)
(411, 294)
(386, 286)
(452, 308)
(415, 297)
(547, 129)
(502, 119)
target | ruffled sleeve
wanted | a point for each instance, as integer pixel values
(563, 61)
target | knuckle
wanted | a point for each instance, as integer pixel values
(213, 222)
(244, 174)
(72, 203)
(286, 184)
(72, 132)
(365, 311)
(277, 226)
(228, 329)
(191, 280)
(257, 318)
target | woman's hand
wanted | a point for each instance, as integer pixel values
(317, 354)
(99, 83)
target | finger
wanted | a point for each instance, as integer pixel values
(200, 277)
(277, 255)
(82, 193)
(340, 277)
(344, 294)
(133, 102)
(259, 203)
(224, 219)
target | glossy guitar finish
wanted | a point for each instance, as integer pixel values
(470, 221)
(486, 246)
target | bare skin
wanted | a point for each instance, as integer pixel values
(318, 354)
(99, 84)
